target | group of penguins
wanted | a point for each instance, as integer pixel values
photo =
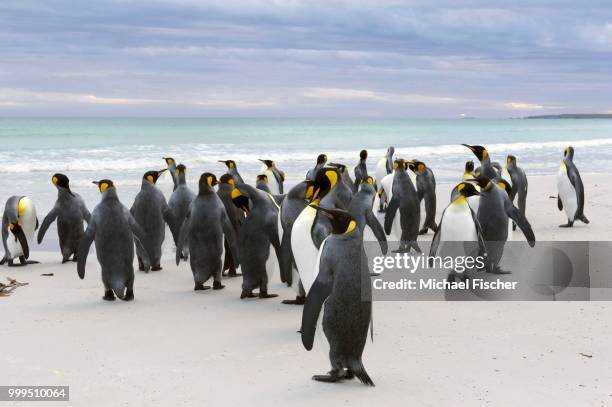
(312, 233)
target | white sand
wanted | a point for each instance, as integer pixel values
(173, 346)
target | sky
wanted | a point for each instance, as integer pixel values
(284, 58)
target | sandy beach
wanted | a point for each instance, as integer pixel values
(173, 346)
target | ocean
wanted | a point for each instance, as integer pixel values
(122, 149)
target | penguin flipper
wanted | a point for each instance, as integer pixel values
(320, 290)
(481, 242)
(392, 208)
(84, 211)
(180, 242)
(49, 219)
(286, 259)
(83, 251)
(435, 241)
(559, 203)
(230, 235)
(521, 221)
(5, 223)
(140, 235)
(376, 227)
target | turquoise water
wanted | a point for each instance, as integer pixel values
(32, 149)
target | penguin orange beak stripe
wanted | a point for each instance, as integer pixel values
(315, 194)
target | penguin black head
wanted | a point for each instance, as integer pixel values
(416, 166)
(104, 184)
(240, 201)
(341, 167)
(400, 163)
(479, 151)
(466, 189)
(262, 177)
(181, 169)
(469, 166)
(61, 181)
(322, 159)
(268, 163)
(569, 153)
(229, 163)
(363, 154)
(325, 180)
(368, 180)
(341, 221)
(153, 176)
(207, 181)
(226, 179)
(390, 151)
(511, 159)
(169, 160)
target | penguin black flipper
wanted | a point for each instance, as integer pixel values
(185, 229)
(140, 235)
(230, 236)
(435, 241)
(47, 221)
(481, 243)
(84, 211)
(574, 177)
(521, 221)
(84, 245)
(279, 179)
(286, 259)
(392, 208)
(5, 225)
(320, 290)
(376, 227)
(559, 203)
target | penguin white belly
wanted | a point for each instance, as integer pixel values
(381, 171)
(271, 264)
(474, 201)
(322, 341)
(308, 279)
(396, 227)
(295, 281)
(304, 251)
(272, 183)
(506, 175)
(458, 224)
(423, 214)
(27, 220)
(567, 193)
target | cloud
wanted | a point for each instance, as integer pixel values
(359, 94)
(523, 106)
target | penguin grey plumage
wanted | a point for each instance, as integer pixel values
(312, 173)
(151, 212)
(346, 178)
(20, 221)
(114, 230)
(486, 167)
(172, 169)
(404, 199)
(179, 203)
(571, 190)
(518, 182)
(70, 211)
(346, 301)
(426, 190)
(257, 235)
(360, 208)
(236, 218)
(261, 183)
(232, 170)
(205, 229)
(361, 169)
(494, 210)
(275, 177)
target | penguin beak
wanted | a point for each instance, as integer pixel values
(468, 146)
(95, 183)
(18, 233)
(324, 211)
(315, 195)
(160, 172)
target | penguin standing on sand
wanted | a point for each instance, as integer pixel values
(571, 190)
(114, 229)
(179, 203)
(312, 173)
(258, 242)
(19, 222)
(261, 183)
(291, 208)
(172, 168)
(360, 208)
(361, 169)
(406, 201)
(515, 175)
(385, 165)
(236, 218)
(487, 169)
(232, 170)
(426, 190)
(493, 213)
(346, 302)
(152, 212)
(70, 211)
(275, 176)
(205, 229)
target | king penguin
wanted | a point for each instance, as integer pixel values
(232, 170)
(114, 229)
(261, 183)
(571, 190)
(360, 208)
(236, 218)
(361, 169)
(517, 179)
(205, 229)
(172, 169)
(312, 173)
(346, 177)
(20, 221)
(385, 165)
(151, 212)
(426, 191)
(275, 176)
(468, 174)
(70, 211)
(486, 167)
(346, 302)
(179, 203)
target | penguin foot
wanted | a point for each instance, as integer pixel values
(349, 374)
(567, 225)
(109, 295)
(297, 301)
(331, 377)
(200, 287)
(157, 268)
(74, 258)
(423, 231)
(129, 295)
(247, 294)
(264, 294)
(65, 260)
(233, 274)
(218, 286)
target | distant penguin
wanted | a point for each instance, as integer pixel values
(493, 213)
(114, 229)
(360, 208)
(385, 165)
(459, 226)
(571, 190)
(179, 203)
(236, 218)
(232, 170)
(258, 242)
(426, 191)
(312, 173)
(346, 178)
(70, 211)
(291, 208)
(151, 212)
(19, 222)
(361, 169)
(205, 229)
(346, 302)
(172, 169)
(275, 176)
(261, 183)
(469, 174)
(405, 201)
(515, 175)
(486, 167)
